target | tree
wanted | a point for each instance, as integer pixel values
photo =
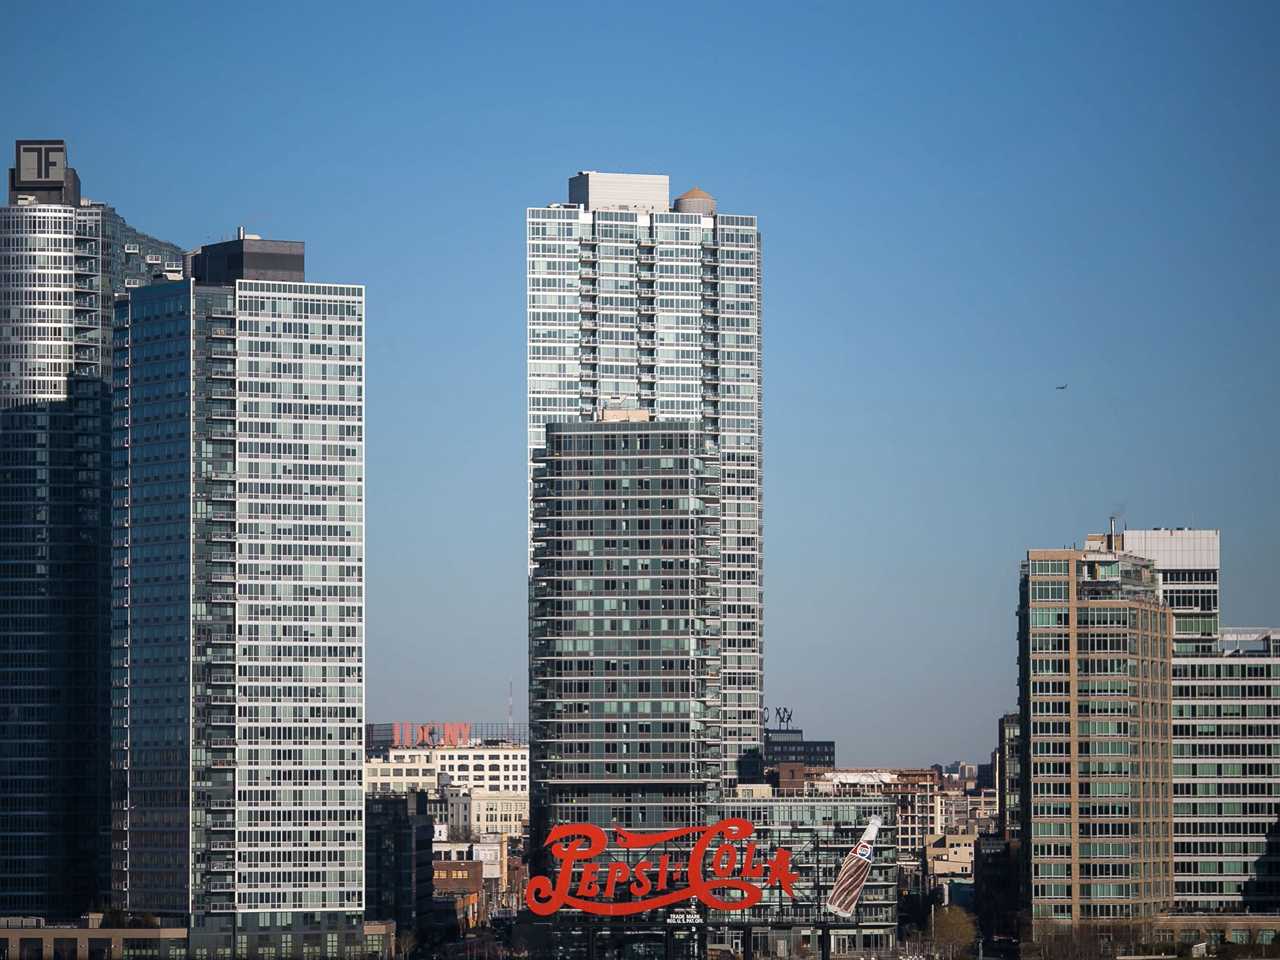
(406, 943)
(954, 929)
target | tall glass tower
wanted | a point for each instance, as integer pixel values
(238, 604)
(62, 258)
(636, 303)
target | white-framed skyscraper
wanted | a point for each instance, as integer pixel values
(238, 603)
(635, 302)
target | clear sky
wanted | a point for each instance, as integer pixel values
(963, 207)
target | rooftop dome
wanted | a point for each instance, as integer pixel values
(696, 200)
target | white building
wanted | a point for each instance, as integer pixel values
(1187, 563)
(500, 814)
(238, 601)
(496, 768)
(640, 303)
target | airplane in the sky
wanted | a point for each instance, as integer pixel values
(1063, 387)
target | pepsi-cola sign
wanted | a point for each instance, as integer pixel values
(724, 870)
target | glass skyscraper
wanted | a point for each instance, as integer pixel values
(62, 258)
(637, 303)
(238, 604)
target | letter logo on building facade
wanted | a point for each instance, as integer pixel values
(41, 162)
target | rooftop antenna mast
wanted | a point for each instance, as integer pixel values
(510, 689)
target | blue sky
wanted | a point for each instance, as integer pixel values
(963, 206)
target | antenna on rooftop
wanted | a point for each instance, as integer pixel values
(510, 688)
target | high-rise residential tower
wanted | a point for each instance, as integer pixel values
(638, 303)
(62, 258)
(238, 603)
(1094, 668)
(624, 637)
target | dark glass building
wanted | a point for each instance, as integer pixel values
(790, 746)
(62, 260)
(624, 651)
(397, 861)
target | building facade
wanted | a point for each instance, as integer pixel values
(625, 626)
(1226, 775)
(398, 861)
(1226, 733)
(638, 302)
(494, 767)
(1187, 564)
(62, 258)
(790, 746)
(913, 791)
(819, 828)
(1008, 776)
(1095, 663)
(237, 603)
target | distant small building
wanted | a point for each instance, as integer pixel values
(399, 837)
(462, 882)
(790, 746)
(495, 767)
(949, 855)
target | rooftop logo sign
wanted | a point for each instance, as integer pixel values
(714, 867)
(430, 734)
(40, 162)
